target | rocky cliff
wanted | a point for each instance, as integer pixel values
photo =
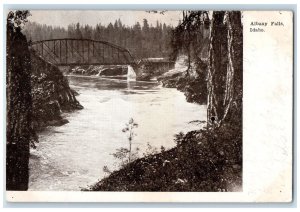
(51, 94)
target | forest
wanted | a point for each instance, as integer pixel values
(142, 40)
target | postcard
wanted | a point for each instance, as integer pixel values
(149, 106)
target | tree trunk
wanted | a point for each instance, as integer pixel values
(225, 70)
(19, 108)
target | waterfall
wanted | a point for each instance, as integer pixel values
(131, 76)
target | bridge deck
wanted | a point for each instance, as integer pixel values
(82, 52)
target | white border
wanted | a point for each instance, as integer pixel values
(118, 2)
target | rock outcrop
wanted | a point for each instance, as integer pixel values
(99, 70)
(192, 85)
(149, 68)
(51, 94)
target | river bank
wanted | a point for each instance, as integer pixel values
(203, 160)
(191, 81)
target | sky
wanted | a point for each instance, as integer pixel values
(63, 18)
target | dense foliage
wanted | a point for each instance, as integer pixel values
(191, 38)
(142, 40)
(204, 160)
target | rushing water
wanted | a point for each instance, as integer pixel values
(72, 156)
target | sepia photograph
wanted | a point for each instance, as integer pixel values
(125, 102)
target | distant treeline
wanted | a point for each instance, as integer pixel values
(142, 40)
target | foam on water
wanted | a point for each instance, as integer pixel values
(131, 76)
(73, 155)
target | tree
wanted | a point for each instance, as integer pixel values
(97, 33)
(137, 39)
(129, 129)
(120, 25)
(16, 20)
(78, 33)
(188, 36)
(71, 31)
(87, 33)
(225, 69)
(145, 26)
(19, 103)
(110, 32)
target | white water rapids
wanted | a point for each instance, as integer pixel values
(72, 156)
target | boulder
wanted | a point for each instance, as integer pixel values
(113, 71)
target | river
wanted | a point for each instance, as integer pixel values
(72, 156)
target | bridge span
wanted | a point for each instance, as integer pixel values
(79, 52)
(86, 52)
